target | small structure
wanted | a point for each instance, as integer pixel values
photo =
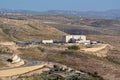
(47, 41)
(94, 42)
(75, 39)
(23, 43)
(16, 60)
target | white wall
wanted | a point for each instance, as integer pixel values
(47, 41)
(76, 37)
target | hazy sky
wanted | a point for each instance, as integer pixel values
(76, 5)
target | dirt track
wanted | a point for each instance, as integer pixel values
(17, 71)
(100, 50)
(95, 49)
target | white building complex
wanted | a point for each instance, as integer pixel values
(75, 39)
(47, 41)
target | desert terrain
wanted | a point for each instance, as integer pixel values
(102, 60)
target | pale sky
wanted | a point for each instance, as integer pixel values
(75, 5)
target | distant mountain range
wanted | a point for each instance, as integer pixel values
(109, 14)
(112, 14)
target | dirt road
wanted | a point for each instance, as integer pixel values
(17, 71)
(95, 49)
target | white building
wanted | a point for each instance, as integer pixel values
(47, 41)
(74, 39)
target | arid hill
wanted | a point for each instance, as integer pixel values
(38, 27)
(23, 30)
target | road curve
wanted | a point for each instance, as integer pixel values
(95, 49)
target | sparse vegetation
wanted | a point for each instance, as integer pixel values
(113, 60)
(2, 64)
(33, 53)
(114, 56)
(5, 50)
(74, 47)
(41, 49)
(53, 76)
(32, 26)
(23, 30)
(41, 77)
(88, 46)
(27, 29)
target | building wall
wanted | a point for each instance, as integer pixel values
(47, 41)
(67, 38)
(79, 37)
(82, 42)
